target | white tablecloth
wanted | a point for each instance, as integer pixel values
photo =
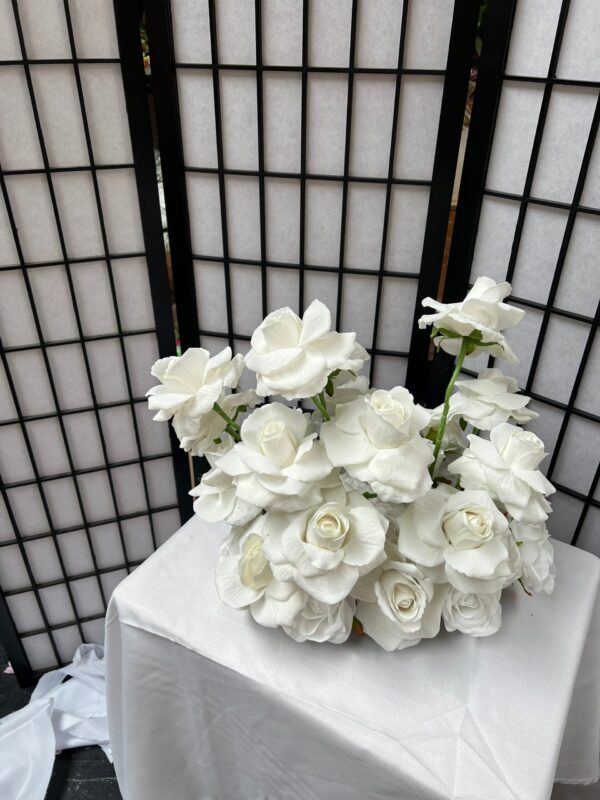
(205, 704)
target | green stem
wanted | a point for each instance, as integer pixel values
(233, 429)
(319, 401)
(444, 419)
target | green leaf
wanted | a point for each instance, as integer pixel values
(329, 388)
(369, 495)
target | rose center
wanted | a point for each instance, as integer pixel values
(468, 528)
(328, 529)
(387, 407)
(277, 443)
(523, 450)
(255, 570)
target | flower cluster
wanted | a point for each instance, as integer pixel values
(365, 510)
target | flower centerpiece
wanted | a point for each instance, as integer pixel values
(354, 507)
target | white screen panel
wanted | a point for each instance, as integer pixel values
(329, 40)
(197, 112)
(94, 28)
(17, 325)
(53, 302)
(60, 115)
(39, 651)
(243, 218)
(282, 289)
(282, 32)
(62, 501)
(48, 446)
(107, 370)
(205, 214)
(25, 611)
(44, 29)
(282, 101)
(12, 570)
(495, 237)
(14, 459)
(372, 116)
(565, 135)
(34, 217)
(87, 597)
(588, 397)
(105, 109)
(282, 206)
(68, 371)
(561, 355)
(418, 120)
(31, 382)
(364, 225)
(154, 438)
(191, 31)
(591, 189)
(119, 434)
(589, 538)
(546, 426)
(94, 299)
(28, 510)
(141, 353)
(7, 406)
(390, 371)
(43, 559)
(210, 295)
(9, 41)
(246, 290)
(121, 209)
(579, 54)
(406, 228)
(165, 524)
(323, 219)
(579, 287)
(540, 244)
(532, 37)
(358, 306)
(78, 213)
(378, 34)
(8, 251)
(129, 488)
(235, 31)
(327, 103)
(398, 299)
(134, 299)
(428, 34)
(138, 538)
(84, 439)
(107, 545)
(239, 119)
(19, 148)
(579, 455)
(522, 340)
(513, 136)
(159, 477)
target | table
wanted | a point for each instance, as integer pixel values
(206, 705)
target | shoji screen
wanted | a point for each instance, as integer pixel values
(308, 131)
(88, 487)
(538, 200)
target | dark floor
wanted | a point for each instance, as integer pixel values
(81, 774)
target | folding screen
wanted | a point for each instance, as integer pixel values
(88, 487)
(528, 212)
(309, 149)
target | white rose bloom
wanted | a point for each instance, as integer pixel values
(466, 533)
(278, 464)
(294, 357)
(217, 500)
(193, 382)
(481, 314)
(376, 439)
(474, 614)
(489, 400)
(347, 388)
(319, 622)
(326, 549)
(506, 466)
(200, 435)
(245, 580)
(537, 556)
(407, 607)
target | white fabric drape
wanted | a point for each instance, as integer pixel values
(203, 703)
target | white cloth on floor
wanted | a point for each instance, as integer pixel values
(61, 714)
(206, 705)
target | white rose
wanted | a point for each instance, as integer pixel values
(278, 464)
(376, 439)
(537, 556)
(325, 549)
(489, 400)
(507, 467)
(294, 357)
(465, 532)
(199, 435)
(407, 607)
(245, 580)
(193, 382)
(216, 500)
(474, 614)
(346, 388)
(320, 622)
(481, 315)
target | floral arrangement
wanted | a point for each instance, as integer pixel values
(368, 512)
